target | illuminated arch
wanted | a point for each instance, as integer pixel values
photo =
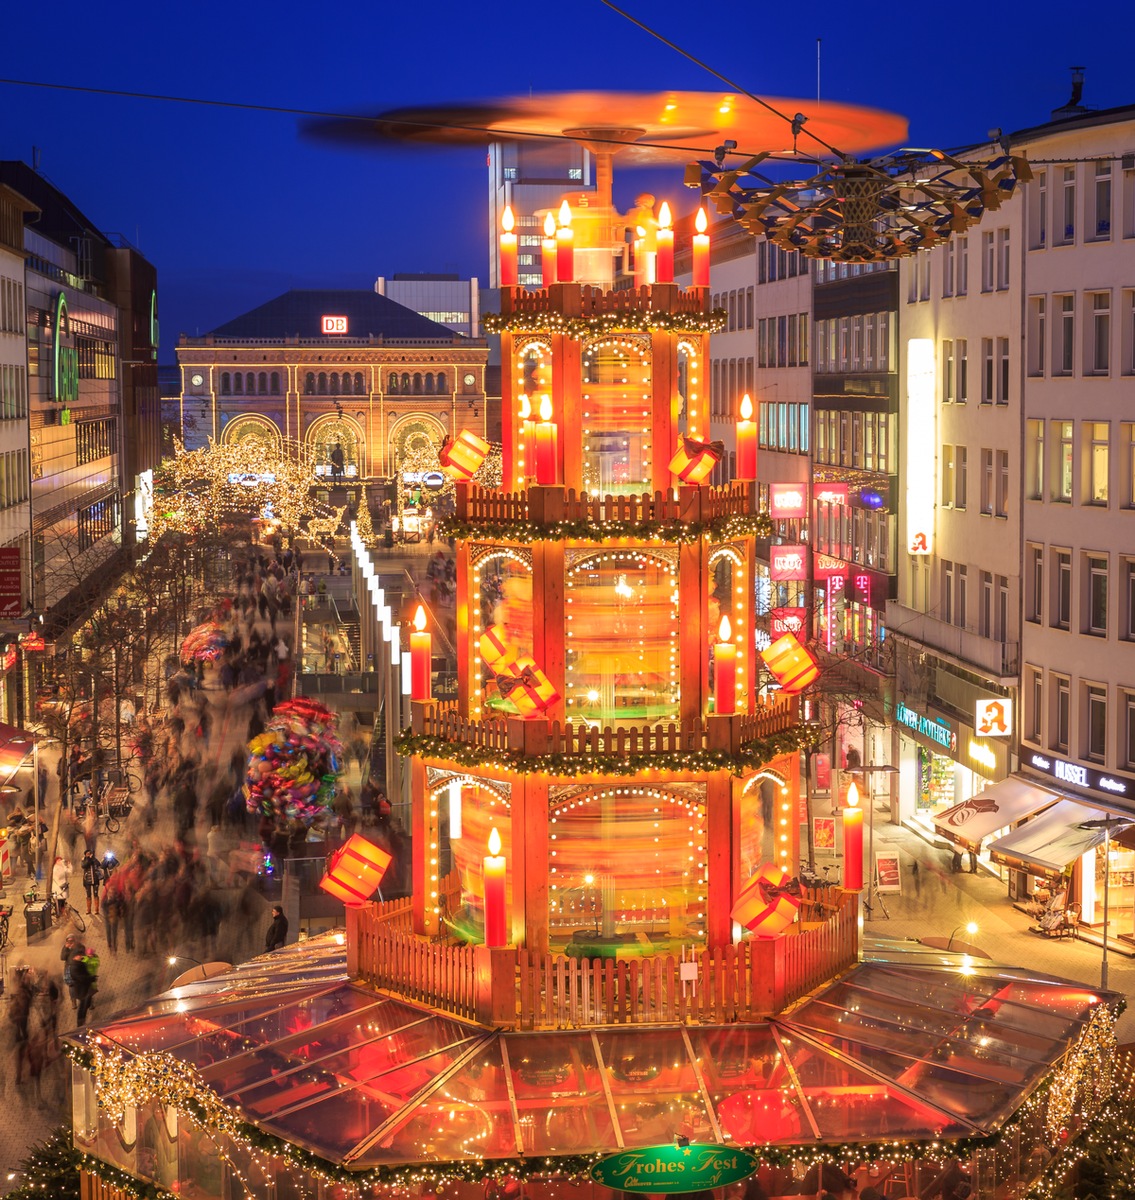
(252, 426)
(327, 431)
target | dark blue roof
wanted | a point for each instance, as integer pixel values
(299, 313)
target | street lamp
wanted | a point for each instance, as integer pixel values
(174, 959)
(1108, 825)
(970, 927)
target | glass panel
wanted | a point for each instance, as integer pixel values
(616, 415)
(200, 1166)
(483, 809)
(467, 1117)
(157, 1144)
(654, 1087)
(559, 1094)
(749, 1085)
(622, 630)
(502, 596)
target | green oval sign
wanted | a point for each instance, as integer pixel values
(674, 1168)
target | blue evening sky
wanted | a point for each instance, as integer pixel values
(234, 207)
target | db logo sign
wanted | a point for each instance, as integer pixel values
(993, 718)
(333, 324)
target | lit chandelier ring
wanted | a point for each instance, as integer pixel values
(863, 210)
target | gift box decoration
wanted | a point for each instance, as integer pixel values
(765, 905)
(496, 649)
(526, 686)
(461, 457)
(791, 664)
(355, 870)
(694, 461)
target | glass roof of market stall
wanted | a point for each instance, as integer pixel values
(894, 1049)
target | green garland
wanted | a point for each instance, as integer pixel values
(52, 1168)
(752, 755)
(719, 530)
(648, 321)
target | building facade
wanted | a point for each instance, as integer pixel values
(325, 368)
(447, 299)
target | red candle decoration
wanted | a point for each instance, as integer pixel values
(527, 437)
(496, 933)
(746, 441)
(565, 246)
(853, 841)
(701, 250)
(547, 444)
(508, 248)
(724, 670)
(664, 263)
(548, 251)
(640, 273)
(355, 870)
(421, 658)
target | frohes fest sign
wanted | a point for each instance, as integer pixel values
(65, 357)
(673, 1169)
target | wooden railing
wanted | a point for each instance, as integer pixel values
(538, 735)
(593, 301)
(517, 989)
(702, 503)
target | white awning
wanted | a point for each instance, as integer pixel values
(1000, 805)
(1052, 841)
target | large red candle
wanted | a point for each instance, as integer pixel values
(853, 841)
(725, 670)
(664, 240)
(496, 916)
(421, 658)
(565, 247)
(547, 445)
(508, 249)
(701, 251)
(548, 251)
(526, 449)
(746, 441)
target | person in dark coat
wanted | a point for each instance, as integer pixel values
(83, 983)
(277, 934)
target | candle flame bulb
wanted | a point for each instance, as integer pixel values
(852, 795)
(746, 407)
(725, 630)
(664, 218)
(550, 225)
(700, 223)
(546, 407)
(494, 842)
(564, 215)
(640, 231)
(507, 219)
(420, 619)
(525, 406)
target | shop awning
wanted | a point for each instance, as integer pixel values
(1001, 804)
(1052, 841)
(15, 745)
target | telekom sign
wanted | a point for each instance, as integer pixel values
(787, 500)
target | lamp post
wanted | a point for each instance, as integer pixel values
(1108, 825)
(970, 927)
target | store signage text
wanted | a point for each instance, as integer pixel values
(982, 755)
(826, 567)
(831, 493)
(329, 324)
(928, 727)
(786, 620)
(993, 718)
(787, 562)
(674, 1168)
(1085, 777)
(65, 358)
(787, 500)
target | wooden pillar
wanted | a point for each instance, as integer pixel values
(468, 610)
(567, 406)
(529, 915)
(746, 580)
(719, 859)
(548, 645)
(423, 832)
(510, 471)
(663, 393)
(693, 607)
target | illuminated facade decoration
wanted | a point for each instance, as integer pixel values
(361, 374)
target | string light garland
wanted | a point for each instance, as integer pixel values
(721, 529)
(610, 322)
(1084, 1082)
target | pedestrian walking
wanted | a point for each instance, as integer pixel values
(61, 883)
(65, 955)
(94, 873)
(277, 934)
(917, 874)
(84, 973)
(112, 906)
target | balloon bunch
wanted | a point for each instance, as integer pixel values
(206, 643)
(294, 764)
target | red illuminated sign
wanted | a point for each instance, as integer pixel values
(826, 567)
(32, 641)
(787, 500)
(8, 659)
(831, 493)
(788, 562)
(786, 620)
(333, 324)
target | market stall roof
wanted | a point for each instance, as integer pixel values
(999, 805)
(1052, 841)
(16, 745)
(890, 1050)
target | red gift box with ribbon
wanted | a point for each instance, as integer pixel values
(526, 686)
(792, 664)
(355, 870)
(694, 461)
(496, 650)
(764, 906)
(461, 457)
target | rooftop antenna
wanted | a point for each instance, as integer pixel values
(818, 42)
(35, 159)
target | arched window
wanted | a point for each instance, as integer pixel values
(417, 383)
(309, 384)
(360, 387)
(334, 383)
(226, 383)
(275, 383)
(262, 383)
(238, 383)
(323, 383)
(392, 383)
(250, 384)
(429, 383)
(441, 382)
(405, 389)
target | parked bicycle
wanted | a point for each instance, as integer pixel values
(59, 912)
(827, 876)
(5, 935)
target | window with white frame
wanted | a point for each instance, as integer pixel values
(988, 261)
(1062, 712)
(1035, 714)
(987, 481)
(1002, 628)
(1038, 210)
(963, 266)
(961, 358)
(1062, 466)
(1003, 262)
(987, 373)
(1002, 370)
(947, 472)
(1101, 201)
(1097, 444)
(1127, 728)
(948, 252)
(961, 611)
(1127, 463)
(1036, 335)
(1034, 584)
(947, 371)
(1002, 502)
(961, 468)
(1127, 599)
(1064, 348)
(1061, 607)
(1098, 356)
(1067, 225)
(1034, 459)
(1095, 723)
(1095, 589)
(947, 598)
(985, 609)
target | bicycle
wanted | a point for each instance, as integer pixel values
(5, 937)
(58, 914)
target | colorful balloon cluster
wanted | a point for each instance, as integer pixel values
(294, 764)
(206, 643)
